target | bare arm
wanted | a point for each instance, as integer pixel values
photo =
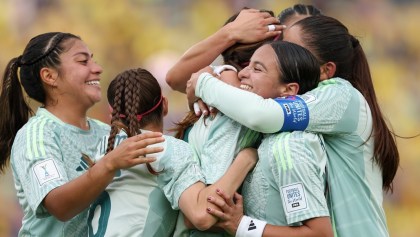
(193, 202)
(70, 199)
(231, 217)
(249, 26)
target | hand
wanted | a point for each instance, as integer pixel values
(133, 150)
(251, 26)
(195, 103)
(231, 213)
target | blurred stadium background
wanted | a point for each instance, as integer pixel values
(154, 33)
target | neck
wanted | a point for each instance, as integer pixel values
(154, 127)
(74, 116)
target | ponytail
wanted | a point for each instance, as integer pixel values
(386, 154)
(15, 110)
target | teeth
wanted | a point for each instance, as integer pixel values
(92, 82)
(245, 87)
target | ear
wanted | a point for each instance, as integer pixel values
(165, 106)
(49, 76)
(290, 89)
(328, 70)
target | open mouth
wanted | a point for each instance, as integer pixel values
(93, 82)
(245, 87)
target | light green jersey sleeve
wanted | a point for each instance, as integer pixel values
(37, 163)
(331, 106)
(249, 109)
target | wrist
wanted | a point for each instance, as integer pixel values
(106, 164)
(250, 227)
(227, 33)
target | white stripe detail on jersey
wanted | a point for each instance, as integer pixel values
(41, 137)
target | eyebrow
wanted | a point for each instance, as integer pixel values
(83, 53)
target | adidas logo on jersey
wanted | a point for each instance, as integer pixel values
(252, 226)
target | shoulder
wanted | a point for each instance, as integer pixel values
(39, 126)
(296, 143)
(174, 145)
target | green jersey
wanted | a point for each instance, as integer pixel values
(288, 183)
(339, 112)
(216, 141)
(136, 202)
(46, 154)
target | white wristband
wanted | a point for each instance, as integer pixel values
(250, 227)
(219, 69)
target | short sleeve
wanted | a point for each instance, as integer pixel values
(37, 163)
(298, 165)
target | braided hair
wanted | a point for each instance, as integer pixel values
(135, 96)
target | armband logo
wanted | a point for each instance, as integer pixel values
(294, 197)
(45, 171)
(287, 109)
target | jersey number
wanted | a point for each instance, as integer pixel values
(104, 202)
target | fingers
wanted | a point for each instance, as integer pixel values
(196, 108)
(238, 199)
(146, 139)
(228, 200)
(142, 152)
(148, 135)
(143, 160)
(203, 107)
(216, 213)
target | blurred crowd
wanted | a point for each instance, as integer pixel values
(154, 33)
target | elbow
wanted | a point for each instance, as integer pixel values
(203, 221)
(61, 215)
(172, 82)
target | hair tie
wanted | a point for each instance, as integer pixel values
(19, 61)
(140, 116)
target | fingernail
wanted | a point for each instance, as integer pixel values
(208, 209)
(217, 190)
(196, 108)
(205, 112)
(209, 198)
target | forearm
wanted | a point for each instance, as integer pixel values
(70, 199)
(249, 109)
(197, 57)
(193, 202)
(236, 173)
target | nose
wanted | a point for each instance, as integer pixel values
(97, 69)
(243, 73)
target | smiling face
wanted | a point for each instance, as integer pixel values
(262, 75)
(78, 77)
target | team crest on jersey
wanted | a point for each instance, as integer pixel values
(294, 197)
(45, 171)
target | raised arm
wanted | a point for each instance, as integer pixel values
(249, 109)
(250, 26)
